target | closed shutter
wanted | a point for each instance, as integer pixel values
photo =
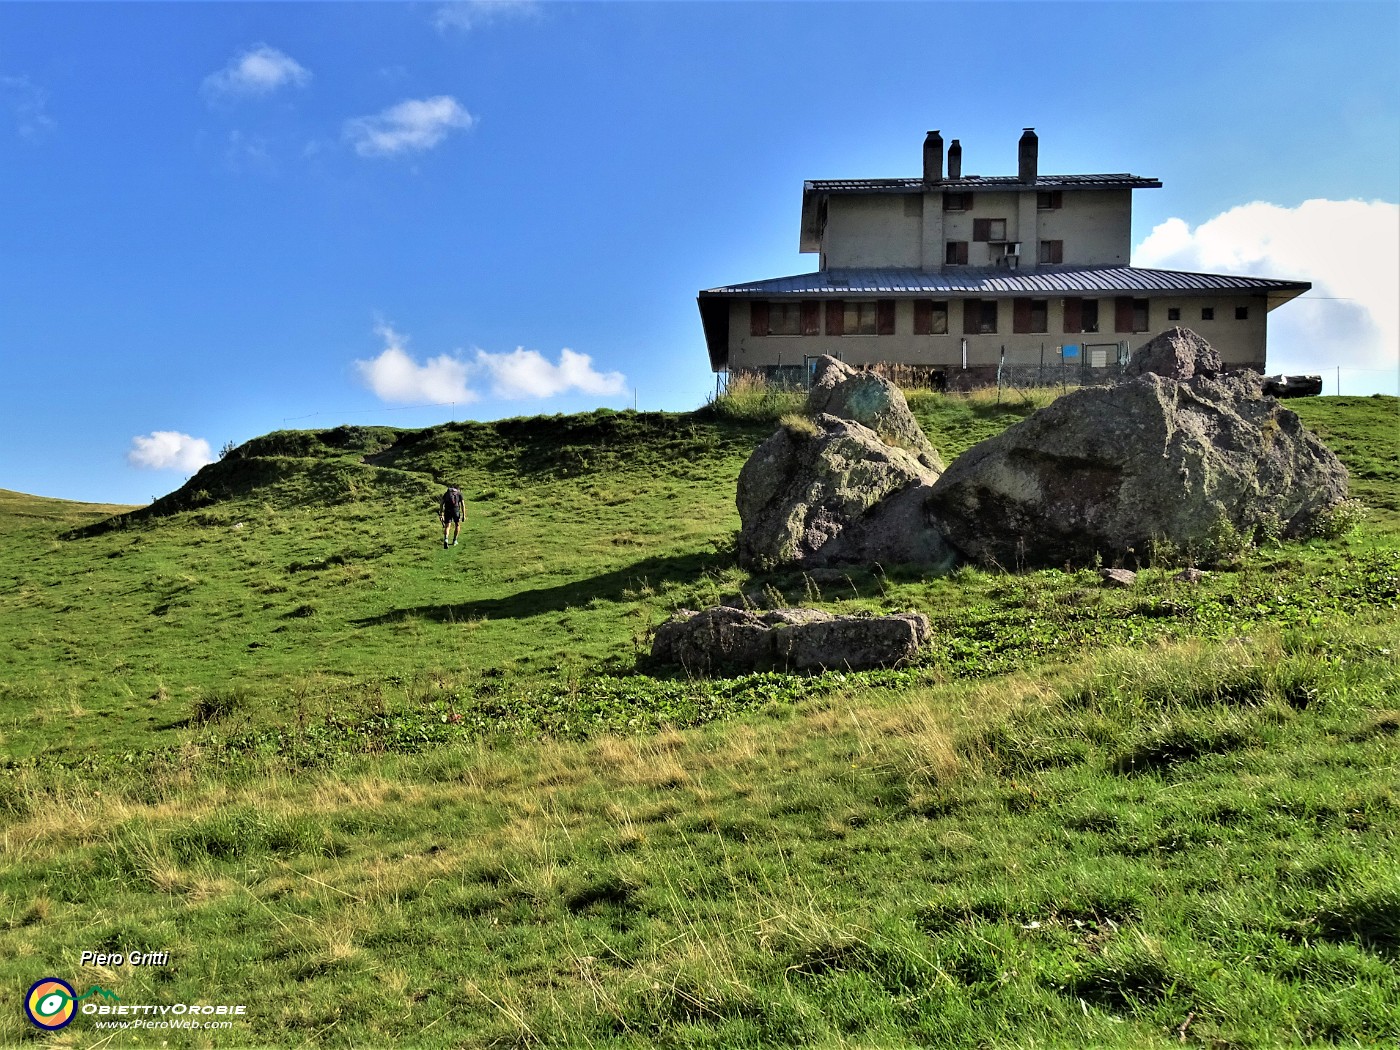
(1073, 315)
(981, 229)
(758, 317)
(1021, 316)
(835, 316)
(923, 317)
(811, 317)
(1057, 252)
(967, 202)
(1057, 198)
(1123, 314)
(972, 316)
(884, 317)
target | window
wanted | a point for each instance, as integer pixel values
(1052, 251)
(930, 318)
(1049, 200)
(867, 317)
(1207, 313)
(1081, 315)
(1030, 315)
(979, 316)
(784, 318)
(1241, 313)
(957, 201)
(956, 253)
(859, 319)
(1173, 313)
(989, 229)
(1129, 315)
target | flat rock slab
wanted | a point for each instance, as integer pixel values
(724, 639)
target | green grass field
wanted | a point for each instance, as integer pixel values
(384, 793)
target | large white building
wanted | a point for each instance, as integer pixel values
(959, 274)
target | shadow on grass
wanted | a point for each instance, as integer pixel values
(616, 586)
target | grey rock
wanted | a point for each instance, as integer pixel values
(1177, 353)
(1106, 471)
(721, 637)
(834, 494)
(1190, 575)
(725, 639)
(872, 401)
(853, 642)
(1118, 577)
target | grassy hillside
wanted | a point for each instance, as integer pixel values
(387, 793)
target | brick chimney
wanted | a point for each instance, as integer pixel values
(955, 160)
(1028, 156)
(933, 157)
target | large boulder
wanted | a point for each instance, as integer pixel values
(845, 484)
(1108, 471)
(1177, 353)
(725, 639)
(830, 491)
(872, 401)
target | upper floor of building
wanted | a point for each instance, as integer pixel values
(1024, 221)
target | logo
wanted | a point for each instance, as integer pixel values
(51, 1003)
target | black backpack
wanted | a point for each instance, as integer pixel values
(452, 503)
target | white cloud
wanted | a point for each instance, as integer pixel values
(27, 104)
(1349, 250)
(525, 373)
(259, 71)
(169, 450)
(395, 375)
(413, 125)
(471, 14)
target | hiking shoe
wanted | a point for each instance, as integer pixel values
(444, 545)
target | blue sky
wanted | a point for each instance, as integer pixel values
(224, 219)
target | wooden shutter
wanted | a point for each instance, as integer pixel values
(884, 317)
(981, 229)
(1020, 316)
(811, 317)
(923, 317)
(1057, 251)
(1123, 314)
(1057, 198)
(835, 316)
(972, 316)
(758, 317)
(1074, 317)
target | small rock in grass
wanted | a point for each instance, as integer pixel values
(1118, 577)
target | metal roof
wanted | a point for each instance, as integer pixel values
(973, 281)
(983, 182)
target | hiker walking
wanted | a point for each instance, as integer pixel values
(452, 511)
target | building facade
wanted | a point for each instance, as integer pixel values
(967, 275)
